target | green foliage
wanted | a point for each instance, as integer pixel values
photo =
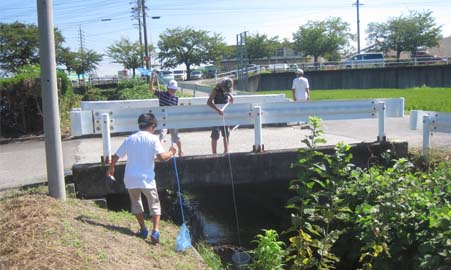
(314, 125)
(322, 38)
(260, 46)
(32, 73)
(133, 89)
(67, 102)
(67, 58)
(93, 94)
(19, 45)
(269, 253)
(396, 217)
(316, 203)
(210, 258)
(406, 33)
(190, 47)
(127, 53)
(137, 92)
(86, 61)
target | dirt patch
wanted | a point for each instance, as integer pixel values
(39, 232)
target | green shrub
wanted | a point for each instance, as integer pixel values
(385, 217)
(269, 254)
(137, 92)
(67, 102)
(210, 257)
(93, 94)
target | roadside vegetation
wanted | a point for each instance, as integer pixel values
(39, 232)
(419, 98)
(392, 215)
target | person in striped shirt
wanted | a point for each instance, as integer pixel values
(167, 98)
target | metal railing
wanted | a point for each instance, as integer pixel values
(123, 119)
(430, 122)
(86, 119)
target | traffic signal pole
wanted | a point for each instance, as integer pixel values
(53, 147)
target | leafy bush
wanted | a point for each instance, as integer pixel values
(93, 94)
(269, 253)
(210, 258)
(382, 218)
(137, 92)
(67, 102)
(129, 83)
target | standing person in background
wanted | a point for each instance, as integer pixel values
(167, 98)
(139, 177)
(221, 94)
(300, 88)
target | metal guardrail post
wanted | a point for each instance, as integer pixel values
(106, 138)
(258, 146)
(426, 135)
(380, 108)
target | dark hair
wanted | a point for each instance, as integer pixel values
(147, 120)
(227, 84)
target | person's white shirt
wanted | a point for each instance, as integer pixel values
(140, 149)
(300, 86)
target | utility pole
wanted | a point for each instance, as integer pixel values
(47, 59)
(82, 53)
(357, 4)
(136, 15)
(139, 27)
(146, 48)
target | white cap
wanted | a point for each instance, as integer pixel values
(172, 84)
(299, 71)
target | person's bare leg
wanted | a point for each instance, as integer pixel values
(214, 144)
(156, 222)
(179, 146)
(140, 219)
(226, 144)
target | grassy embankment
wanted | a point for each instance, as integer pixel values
(39, 232)
(423, 98)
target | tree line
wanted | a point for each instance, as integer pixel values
(329, 39)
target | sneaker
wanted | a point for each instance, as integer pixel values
(155, 237)
(142, 233)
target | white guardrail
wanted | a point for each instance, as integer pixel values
(122, 115)
(87, 119)
(430, 122)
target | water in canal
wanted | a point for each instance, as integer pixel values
(210, 213)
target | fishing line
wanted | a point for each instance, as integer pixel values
(231, 177)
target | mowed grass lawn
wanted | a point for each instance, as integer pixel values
(422, 98)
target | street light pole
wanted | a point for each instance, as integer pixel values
(357, 4)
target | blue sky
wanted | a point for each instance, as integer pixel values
(227, 17)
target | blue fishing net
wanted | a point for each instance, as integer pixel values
(183, 240)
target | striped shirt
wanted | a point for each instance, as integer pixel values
(166, 99)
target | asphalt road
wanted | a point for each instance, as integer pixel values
(23, 163)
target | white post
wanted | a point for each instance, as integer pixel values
(258, 147)
(106, 139)
(380, 107)
(53, 145)
(426, 133)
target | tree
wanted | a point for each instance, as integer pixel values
(127, 53)
(406, 33)
(86, 62)
(260, 46)
(19, 45)
(190, 47)
(322, 38)
(67, 58)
